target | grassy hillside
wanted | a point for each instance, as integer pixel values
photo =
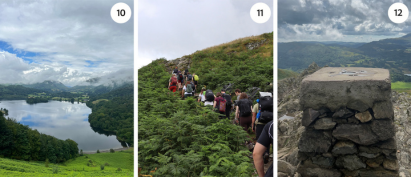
(73, 167)
(234, 62)
(284, 73)
(182, 138)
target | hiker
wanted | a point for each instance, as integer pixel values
(186, 72)
(243, 111)
(227, 98)
(209, 98)
(219, 103)
(175, 71)
(237, 92)
(187, 90)
(172, 84)
(266, 107)
(201, 96)
(180, 80)
(189, 77)
(263, 143)
(195, 79)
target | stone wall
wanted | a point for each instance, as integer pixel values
(348, 120)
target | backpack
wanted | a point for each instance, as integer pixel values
(265, 109)
(180, 76)
(189, 89)
(195, 77)
(227, 97)
(186, 71)
(173, 80)
(265, 117)
(209, 95)
(266, 104)
(245, 108)
(190, 77)
(222, 105)
(175, 71)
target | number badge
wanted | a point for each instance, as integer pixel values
(260, 12)
(398, 13)
(120, 12)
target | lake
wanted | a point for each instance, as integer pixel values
(62, 120)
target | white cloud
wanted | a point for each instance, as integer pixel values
(172, 29)
(66, 34)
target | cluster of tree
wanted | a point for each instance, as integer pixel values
(179, 137)
(18, 141)
(37, 100)
(16, 92)
(115, 116)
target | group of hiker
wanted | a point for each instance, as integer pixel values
(183, 81)
(258, 116)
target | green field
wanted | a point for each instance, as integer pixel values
(74, 167)
(401, 87)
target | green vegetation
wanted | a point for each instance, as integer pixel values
(16, 92)
(401, 86)
(284, 73)
(122, 160)
(34, 100)
(114, 115)
(18, 141)
(180, 137)
(392, 54)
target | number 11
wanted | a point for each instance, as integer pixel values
(259, 12)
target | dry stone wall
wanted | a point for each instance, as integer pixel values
(348, 119)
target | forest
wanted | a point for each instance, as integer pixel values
(37, 100)
(20, 142)
(112, 113)
(180, 137)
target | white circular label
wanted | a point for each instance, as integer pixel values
(120, 12)
(260, 12)
(398, 12)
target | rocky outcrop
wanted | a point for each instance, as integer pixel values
(181, 63)
(253, 45)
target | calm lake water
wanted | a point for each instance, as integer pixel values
(62, 120)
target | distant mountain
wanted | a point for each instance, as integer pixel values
(393, 54)
(50, 86)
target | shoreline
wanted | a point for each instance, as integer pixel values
(106, 150)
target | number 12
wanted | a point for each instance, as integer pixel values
(399, 10)
(259, 12)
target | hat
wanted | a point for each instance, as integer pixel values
(223, 90)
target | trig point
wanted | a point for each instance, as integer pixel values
(348, 120)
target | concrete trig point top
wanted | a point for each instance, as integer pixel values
(352, 73)
(334, 87)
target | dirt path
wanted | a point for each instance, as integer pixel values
(107, 150)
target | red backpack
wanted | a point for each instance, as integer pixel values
(222, 105)
(173, 80)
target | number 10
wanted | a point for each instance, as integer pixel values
(259, 12)
(121, 12)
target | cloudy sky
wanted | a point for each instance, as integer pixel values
(172, 29)
(338, 20)
(69, 41)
